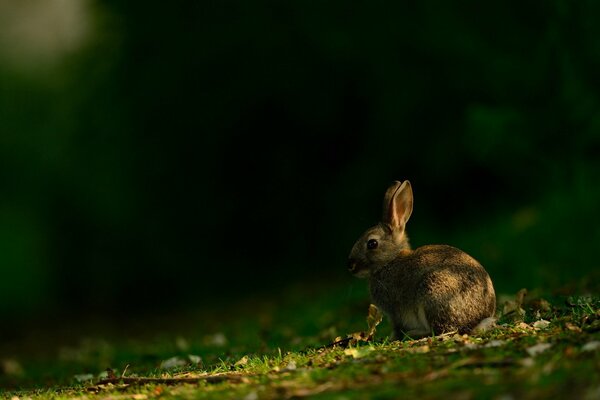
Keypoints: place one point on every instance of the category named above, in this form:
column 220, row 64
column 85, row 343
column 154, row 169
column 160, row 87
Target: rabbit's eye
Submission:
column 372, row 244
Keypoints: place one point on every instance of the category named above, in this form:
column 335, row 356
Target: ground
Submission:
column 541, row 347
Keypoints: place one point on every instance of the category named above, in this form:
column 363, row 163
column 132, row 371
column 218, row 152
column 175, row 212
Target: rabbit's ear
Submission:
column 398, row 204
column 387, row 200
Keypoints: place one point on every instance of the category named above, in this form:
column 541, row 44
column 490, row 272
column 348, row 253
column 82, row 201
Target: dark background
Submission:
column 183, row 153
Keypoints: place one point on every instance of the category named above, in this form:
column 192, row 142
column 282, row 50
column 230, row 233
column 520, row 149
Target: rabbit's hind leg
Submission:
column 412, row 325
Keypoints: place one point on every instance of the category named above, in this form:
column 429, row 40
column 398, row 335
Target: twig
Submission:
column 343, row 342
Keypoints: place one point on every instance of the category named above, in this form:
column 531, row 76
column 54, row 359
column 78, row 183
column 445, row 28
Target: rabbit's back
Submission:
column 437, row 288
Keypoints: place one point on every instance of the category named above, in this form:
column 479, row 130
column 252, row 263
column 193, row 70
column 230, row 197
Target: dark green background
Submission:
column 197, row 151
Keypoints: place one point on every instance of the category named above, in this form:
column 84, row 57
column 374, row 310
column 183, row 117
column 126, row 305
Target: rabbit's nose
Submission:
column 351, row 265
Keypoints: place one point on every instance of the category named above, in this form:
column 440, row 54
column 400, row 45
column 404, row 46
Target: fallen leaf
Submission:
column 460, row 338
column 418, row 349
column 444, row 337
column 350, row 340
column 291, row 366
column 358, row 352
column 524, row 326
column 241, row 362
column 374, row 317
column 591, row 346
column 541, row 324
column 495, row 343
column 173, row 362
column 358, row 336
column 538, row 349
column 471, row 346
column 485, row 325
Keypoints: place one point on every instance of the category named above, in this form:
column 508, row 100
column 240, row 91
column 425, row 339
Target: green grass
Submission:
column 280, row 351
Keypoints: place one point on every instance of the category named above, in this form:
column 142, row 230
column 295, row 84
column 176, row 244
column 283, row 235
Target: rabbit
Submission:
column 432, row 290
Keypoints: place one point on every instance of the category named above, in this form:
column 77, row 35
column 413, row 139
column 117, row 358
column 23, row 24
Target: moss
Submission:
column 507, row 360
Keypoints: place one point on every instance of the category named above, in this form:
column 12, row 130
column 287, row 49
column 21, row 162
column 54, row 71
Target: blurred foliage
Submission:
column 187, row 152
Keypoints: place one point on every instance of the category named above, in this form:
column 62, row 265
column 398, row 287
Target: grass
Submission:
column 550, row 351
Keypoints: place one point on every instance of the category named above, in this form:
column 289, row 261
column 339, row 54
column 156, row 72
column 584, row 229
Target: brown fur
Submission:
column 433, row 289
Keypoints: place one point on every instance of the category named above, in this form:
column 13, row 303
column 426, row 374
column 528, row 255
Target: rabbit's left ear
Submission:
column 400, row 206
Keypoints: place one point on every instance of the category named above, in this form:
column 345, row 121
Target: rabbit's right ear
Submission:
column 397, row 205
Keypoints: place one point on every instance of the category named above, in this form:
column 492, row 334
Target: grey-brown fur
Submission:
column 430, row 290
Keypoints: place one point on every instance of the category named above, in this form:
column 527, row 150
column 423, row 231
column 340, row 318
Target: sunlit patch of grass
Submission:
column 553, row 351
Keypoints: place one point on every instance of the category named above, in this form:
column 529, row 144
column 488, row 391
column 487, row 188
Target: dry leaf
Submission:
column 524, row 326
column 291, row 366
column 538, row 349
column 485, row 325
column 471, row 346
column 418, row 349
column 241, row 362
column 591, row 346
column 459, row 338
column 173, row 362
column 358, row 352
column 374, row 317
column 495, row 343
column 541, row 324
column 572, row 327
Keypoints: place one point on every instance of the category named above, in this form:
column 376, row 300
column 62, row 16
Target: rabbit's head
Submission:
column 383, row 242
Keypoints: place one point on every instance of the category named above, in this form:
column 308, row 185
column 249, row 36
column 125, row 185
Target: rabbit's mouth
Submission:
column 356, row 270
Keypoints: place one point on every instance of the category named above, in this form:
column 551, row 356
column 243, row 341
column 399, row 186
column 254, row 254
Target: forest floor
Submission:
column 540, row 348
